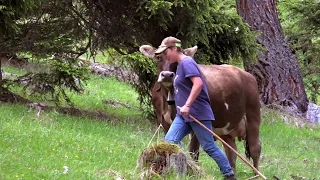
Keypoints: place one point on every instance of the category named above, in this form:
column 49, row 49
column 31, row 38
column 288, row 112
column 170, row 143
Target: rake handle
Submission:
column 226, row 144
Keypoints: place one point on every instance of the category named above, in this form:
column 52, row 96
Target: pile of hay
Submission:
column 164, row 159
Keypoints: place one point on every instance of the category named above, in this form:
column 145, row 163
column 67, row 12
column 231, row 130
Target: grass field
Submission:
column 46, row 147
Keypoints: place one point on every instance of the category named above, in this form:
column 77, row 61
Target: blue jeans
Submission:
column 179, row 129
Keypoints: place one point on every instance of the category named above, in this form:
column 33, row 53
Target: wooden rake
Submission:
column 226, row 144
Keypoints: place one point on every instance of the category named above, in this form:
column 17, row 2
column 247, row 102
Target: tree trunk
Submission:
column 277, row 70
column 0, row 70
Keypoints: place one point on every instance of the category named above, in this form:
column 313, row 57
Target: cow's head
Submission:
column 165, row 69
column 162, row 63
column 163, row 89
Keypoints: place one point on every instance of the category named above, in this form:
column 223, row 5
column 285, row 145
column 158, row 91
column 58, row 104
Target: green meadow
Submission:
column 58, row 146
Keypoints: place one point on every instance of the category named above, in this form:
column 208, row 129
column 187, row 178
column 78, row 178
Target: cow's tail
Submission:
column 246, row 142
column 247, row 148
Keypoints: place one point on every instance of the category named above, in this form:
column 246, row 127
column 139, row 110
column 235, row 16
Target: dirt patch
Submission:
column 72, row 111
column 113, row 71
column 8, row 97
column 14, row 62
column 84, row 113
column 116, row 104
column 106, row 70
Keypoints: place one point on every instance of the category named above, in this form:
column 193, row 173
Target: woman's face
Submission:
column 171, row 54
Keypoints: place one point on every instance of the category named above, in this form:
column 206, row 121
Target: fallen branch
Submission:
column 71, row 111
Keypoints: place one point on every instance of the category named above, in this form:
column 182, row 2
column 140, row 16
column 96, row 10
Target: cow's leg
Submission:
column 253, row 145
column 164, row 124
column 232, row 157
column 194, row 147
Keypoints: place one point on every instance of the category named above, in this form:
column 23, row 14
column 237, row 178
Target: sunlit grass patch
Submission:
column 41, row 147
column 57, row 146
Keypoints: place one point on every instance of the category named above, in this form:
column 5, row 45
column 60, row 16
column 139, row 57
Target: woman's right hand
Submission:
column 184, row 110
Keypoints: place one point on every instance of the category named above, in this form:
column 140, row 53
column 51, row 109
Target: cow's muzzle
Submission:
column 166, row 78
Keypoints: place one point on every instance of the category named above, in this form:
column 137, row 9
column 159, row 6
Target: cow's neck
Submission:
column 170, row 105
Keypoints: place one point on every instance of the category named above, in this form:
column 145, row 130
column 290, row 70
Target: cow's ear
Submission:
column 147, row 50
column 191, row 51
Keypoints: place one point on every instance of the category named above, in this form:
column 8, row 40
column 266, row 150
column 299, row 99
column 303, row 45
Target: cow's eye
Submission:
column 159, row 58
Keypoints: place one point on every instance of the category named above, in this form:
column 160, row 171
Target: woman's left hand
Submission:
column 185, row 110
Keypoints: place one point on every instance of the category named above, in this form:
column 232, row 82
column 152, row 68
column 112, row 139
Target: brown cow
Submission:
column 164, row 106
column 234, row 100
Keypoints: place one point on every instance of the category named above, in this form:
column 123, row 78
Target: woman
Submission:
column 192, row 96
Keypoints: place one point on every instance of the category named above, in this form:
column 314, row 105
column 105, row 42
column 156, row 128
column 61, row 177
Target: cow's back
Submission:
column 229, row 89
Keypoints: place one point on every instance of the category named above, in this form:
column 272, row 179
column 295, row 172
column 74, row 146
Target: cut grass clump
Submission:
column 165, row 160
column 156, row 157
column 149, row 155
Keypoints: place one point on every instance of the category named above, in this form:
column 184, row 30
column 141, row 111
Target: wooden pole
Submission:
column 254, row 177
column 226, row 144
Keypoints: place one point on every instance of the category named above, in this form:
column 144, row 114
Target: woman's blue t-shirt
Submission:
column 200, row 108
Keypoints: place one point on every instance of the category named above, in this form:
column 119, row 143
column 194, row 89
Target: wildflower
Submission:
column 66, row 169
